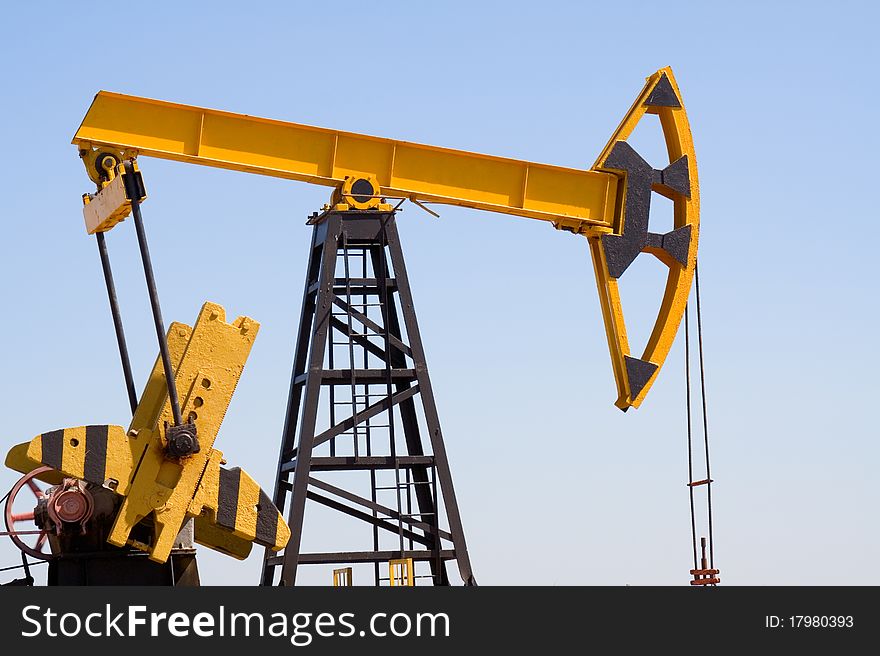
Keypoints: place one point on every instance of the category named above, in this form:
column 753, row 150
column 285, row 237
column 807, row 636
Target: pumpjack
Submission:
column 125, row 505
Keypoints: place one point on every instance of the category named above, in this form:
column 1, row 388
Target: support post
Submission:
column 374, row 430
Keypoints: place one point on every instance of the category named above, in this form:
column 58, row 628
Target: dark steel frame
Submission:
column 329, row 310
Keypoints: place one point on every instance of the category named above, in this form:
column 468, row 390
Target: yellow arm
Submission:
column 231, row 511
column 609, row 203
column 141, row 126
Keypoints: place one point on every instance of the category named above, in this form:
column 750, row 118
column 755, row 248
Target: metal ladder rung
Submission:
column 348, row 342
column 401, row 486
column 360, row 402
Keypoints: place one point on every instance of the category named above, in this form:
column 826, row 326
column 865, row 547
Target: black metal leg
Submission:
column 409, row 420
column 157, row 311
column 294, row 398
column 117, row 321
column 323, row 310
column 431, row 415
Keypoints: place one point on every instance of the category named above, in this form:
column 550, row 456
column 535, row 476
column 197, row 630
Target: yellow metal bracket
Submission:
column 342, row 577
column 401, row 572
column 112, row 203
column 359, row 193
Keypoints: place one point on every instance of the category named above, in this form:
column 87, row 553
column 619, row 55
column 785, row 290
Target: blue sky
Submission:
column 781, row 98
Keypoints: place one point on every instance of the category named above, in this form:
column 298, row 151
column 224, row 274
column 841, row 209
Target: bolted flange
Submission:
column 182, row 441
column 69, row 503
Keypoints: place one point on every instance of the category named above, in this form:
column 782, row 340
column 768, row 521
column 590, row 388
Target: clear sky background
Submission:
column 555, row 485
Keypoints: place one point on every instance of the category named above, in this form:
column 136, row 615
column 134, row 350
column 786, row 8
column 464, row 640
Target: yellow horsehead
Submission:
column 613, row 251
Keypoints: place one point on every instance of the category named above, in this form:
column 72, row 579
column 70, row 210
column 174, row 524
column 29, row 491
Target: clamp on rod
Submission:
column 134, row 195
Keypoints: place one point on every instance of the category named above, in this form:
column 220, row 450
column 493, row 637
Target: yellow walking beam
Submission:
column 610, row 203
column 575, row 199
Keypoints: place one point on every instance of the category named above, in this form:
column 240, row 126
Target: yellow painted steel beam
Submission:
column 609, row 204
column 574, row 199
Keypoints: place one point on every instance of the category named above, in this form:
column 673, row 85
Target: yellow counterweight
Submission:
column 231, row 512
